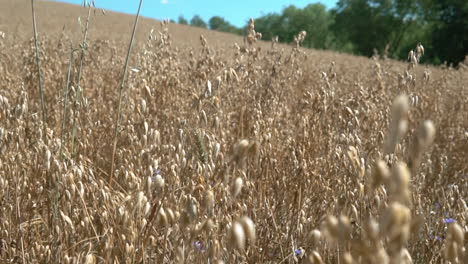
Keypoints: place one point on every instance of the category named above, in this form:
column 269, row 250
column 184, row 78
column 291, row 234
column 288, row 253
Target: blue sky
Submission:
column 237, row 12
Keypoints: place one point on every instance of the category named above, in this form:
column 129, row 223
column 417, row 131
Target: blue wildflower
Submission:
column 297, row 252
column 432, row 237
column 156, row 171
column 198, row 245
column 449, row 220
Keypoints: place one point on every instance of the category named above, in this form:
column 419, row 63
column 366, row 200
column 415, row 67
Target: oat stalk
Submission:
column 122, row 86
column 65, row 100
column 38, row 62
column 84, row 47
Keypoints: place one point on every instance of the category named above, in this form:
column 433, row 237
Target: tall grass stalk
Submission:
column 83, row 47
column 122, row 85
column 38, row 62
column 65, row 99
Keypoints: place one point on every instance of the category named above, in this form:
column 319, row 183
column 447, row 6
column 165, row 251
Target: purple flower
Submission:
column 449, row 220
column 199, row 246
column 156, row 172
column 432, row 237
column 297, row 252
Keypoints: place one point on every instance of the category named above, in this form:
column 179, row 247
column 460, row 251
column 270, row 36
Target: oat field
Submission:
column 219, row 149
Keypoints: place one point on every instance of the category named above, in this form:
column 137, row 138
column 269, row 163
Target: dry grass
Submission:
column 242, row 153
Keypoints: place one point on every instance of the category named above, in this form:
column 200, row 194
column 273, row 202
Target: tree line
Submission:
column 390, row 28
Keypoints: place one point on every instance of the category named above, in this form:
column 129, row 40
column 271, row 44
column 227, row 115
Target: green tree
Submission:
column 449, row 34
column 182, row 20
column 270, row 26
column 370, row 24
column 220, row 24
column 314, row 19
column 197, row 21
column 217, row 22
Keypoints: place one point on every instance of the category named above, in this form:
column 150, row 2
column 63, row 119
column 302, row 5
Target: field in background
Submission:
column 310, row 146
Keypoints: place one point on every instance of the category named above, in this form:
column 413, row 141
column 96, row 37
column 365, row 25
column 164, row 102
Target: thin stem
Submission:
column 119, row 114
column 84, row 46
column 65, row 99
column 38, row 62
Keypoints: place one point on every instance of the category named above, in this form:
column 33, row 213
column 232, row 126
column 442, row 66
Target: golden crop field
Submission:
column 219, row 149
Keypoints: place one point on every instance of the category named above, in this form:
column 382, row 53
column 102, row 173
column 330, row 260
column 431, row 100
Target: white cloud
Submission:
column 164, row 2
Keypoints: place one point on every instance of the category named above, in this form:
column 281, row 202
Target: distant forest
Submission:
column 389, row 28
